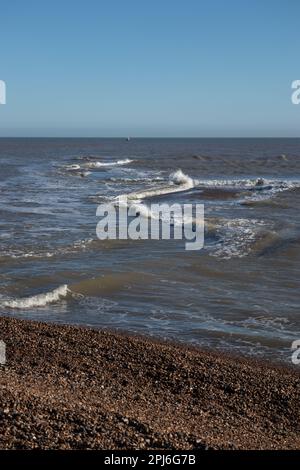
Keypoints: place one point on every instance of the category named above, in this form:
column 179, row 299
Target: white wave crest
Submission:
column 126, row 161
column 178, row 177
column 259, row 184
column 39, row 300
column 73, row 167
column 179, row 181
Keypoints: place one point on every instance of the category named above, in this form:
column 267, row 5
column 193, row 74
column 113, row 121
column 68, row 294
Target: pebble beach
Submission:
column 69, row 387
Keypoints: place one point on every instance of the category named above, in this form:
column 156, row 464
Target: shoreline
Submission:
column 74, row 387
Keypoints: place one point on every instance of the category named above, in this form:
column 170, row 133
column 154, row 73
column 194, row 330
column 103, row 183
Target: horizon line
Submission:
column 146, row 137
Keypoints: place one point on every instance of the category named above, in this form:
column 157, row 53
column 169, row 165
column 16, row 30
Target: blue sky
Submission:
column 141, row 68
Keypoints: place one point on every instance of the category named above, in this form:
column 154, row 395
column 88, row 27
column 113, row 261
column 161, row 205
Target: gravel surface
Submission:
column 66, row 387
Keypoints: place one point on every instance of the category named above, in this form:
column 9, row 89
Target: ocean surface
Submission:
column 240, row 293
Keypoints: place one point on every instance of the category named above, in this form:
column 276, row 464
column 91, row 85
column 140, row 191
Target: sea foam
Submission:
column 126, row 161
column 179, row 181
column 40, row 300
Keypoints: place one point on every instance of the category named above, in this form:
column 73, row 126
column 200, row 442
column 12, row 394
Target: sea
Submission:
column 240, row 293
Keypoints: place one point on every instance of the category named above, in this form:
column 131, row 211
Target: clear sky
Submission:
column 149, row 68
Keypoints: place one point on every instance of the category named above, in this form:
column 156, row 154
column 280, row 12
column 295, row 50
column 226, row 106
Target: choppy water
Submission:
column 241, row 292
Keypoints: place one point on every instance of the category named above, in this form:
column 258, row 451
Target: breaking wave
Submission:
column 252, row 184
column 98, row 164
column 40, row 300
column 73, row 167
column 178, row 177
column 179, row 181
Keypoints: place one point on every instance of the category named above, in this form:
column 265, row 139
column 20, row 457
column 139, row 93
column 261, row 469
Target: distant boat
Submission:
column 128, row 139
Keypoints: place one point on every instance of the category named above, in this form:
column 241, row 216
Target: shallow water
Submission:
column 241, row 292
